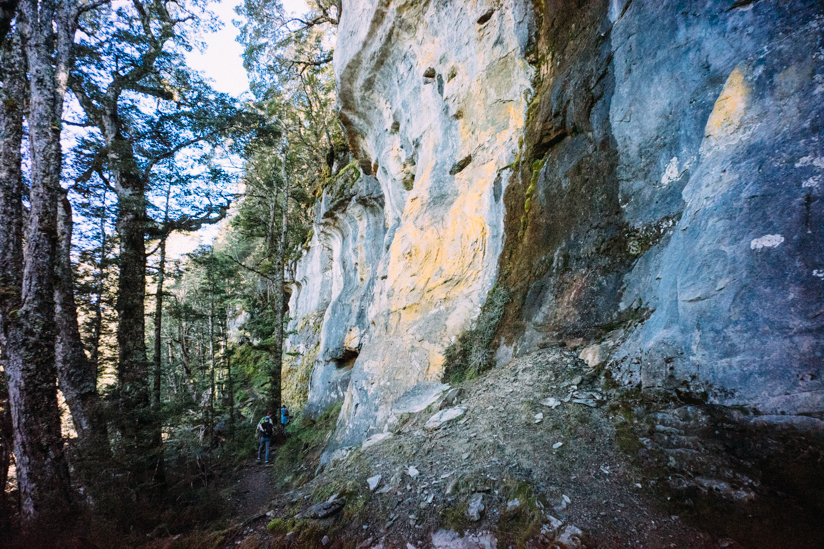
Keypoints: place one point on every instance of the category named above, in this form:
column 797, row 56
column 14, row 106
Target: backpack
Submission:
column 284, row 416
column 267, row 427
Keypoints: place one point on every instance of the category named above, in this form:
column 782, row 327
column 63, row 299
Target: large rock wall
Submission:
column 433, row 97
column 678, row 197
column 638, row 174
column 333, row 284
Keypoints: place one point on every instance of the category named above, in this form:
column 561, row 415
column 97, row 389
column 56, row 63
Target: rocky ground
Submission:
column 534, row 455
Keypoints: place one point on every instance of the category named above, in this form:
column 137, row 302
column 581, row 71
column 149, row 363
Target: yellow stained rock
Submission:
column 729, row 107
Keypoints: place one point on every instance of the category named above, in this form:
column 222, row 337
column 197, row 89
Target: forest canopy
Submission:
column 132, row 375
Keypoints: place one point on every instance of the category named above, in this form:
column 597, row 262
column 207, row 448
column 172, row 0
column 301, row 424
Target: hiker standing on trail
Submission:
column 265, row 430
column 284, row 418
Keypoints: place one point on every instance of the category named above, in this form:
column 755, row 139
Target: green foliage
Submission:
column 278, row 526
column 517, row 526
column 305, row 440
column 471, row 354
column 537, row 166
column 455, row 518
column 296, row 379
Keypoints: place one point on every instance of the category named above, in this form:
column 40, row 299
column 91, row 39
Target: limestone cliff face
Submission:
column 644, row 178
column 678, row 193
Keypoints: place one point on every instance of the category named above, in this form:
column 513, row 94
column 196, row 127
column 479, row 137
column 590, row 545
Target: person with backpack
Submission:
column 265, row 430
column 284, row 418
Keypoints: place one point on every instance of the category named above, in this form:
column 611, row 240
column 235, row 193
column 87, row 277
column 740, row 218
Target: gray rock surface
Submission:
column 419, row 397
column 443, row 417
column 323, row 510
column 666, row 179
column 373, row 482
column 677, row 192
column 449, row 539
column 475, row 506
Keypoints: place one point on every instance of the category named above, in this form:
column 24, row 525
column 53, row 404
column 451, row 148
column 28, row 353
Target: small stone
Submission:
column 566, row 499
column 637, row 485
column 551, row 402
column 557, row 445
column 323, row 510
column 538, row 417
column 374, row 482
column 452, row 397
column 513, row 504
column 412, row 471
column 475, row 507
column 466, row 455
column 571, row 537
column 375, row 439
column 577, row 381
column 554, row 523
column 324, row 541
column 270, row 514
column 452, row 484
column 410, row 546
column 443, row 417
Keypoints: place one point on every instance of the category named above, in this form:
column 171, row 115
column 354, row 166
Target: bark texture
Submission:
column 6, row 449
column 11, row 240
column 30, row 334
column 77, row 375
column 277, row 246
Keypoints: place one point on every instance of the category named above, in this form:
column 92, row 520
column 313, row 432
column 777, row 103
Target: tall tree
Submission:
column 150, row 113
column 29, row 332
column 11, row 230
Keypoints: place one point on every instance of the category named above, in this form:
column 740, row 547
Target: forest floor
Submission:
column 538, row 456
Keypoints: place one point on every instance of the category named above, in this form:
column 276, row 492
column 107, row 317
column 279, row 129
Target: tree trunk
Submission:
column 231, row 390
column 213, row 387
column 42, row 471
column 277, row 240
column 158, row 316
column 76, row 373
column 6, row 449
column 97, row 326
column 138, row 423
column 158, row 324
column 11, row 240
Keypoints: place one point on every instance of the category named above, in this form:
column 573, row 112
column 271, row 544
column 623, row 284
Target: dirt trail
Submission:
column 253, row 490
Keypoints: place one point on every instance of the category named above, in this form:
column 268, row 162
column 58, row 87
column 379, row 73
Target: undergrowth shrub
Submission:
column 305, row 440
column 471, row 354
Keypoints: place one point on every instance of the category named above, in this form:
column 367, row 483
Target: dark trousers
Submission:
column 264, row 441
